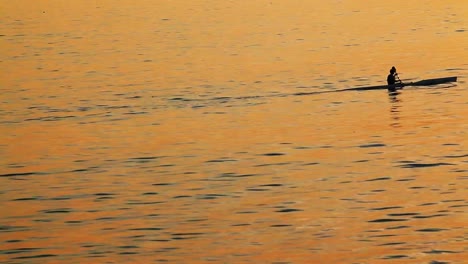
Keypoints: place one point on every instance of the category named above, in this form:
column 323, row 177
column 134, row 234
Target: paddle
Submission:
column 402, row 84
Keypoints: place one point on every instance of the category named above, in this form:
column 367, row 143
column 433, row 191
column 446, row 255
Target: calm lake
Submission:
column 203, row 131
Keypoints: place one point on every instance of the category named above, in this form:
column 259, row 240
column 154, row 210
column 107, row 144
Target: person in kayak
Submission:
column 392, row 77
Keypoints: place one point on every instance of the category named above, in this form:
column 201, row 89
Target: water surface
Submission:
column 198, row 132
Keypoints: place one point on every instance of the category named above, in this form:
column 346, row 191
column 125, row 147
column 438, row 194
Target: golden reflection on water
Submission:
column 204, row 40
column 168, row 131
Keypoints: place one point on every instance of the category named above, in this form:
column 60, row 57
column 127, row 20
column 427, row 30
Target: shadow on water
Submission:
column 395, row 108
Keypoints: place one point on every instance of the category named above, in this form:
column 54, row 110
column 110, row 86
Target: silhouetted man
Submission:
column 391, row 78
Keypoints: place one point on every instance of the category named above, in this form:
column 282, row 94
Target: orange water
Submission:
column 172, row 131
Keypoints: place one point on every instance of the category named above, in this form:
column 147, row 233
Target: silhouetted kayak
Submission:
column 401, row 85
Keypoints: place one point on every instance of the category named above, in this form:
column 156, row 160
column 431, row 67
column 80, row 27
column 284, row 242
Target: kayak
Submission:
column 401, row 85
